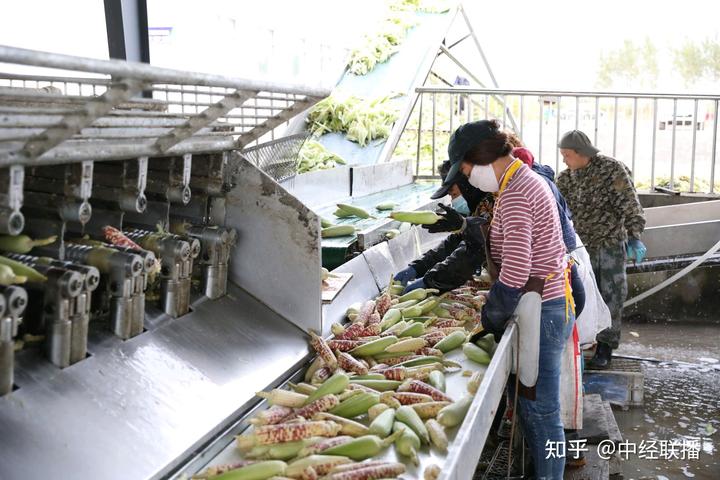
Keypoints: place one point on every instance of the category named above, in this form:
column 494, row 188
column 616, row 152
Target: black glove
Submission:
column 501, row 303
column 451, row 221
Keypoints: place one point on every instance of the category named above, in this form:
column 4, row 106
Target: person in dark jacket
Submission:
column 461, row 254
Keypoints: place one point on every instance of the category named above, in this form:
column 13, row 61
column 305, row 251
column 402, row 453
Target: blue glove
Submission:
column 636, row 250
column 403, row 276
column 419, row 283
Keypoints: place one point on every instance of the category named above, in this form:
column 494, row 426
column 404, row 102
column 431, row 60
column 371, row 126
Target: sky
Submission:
column 553, row 44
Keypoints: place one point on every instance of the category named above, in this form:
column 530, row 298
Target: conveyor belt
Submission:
column 135, row 407
column 399, row 74
column 408, row 197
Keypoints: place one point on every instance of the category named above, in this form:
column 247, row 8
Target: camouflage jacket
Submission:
column 603, row 201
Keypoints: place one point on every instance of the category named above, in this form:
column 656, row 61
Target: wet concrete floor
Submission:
column 681, row 402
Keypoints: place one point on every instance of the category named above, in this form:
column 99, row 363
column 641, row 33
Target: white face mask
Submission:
column 483, row 177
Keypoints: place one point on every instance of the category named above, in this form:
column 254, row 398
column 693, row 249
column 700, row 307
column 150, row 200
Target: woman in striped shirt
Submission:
column 526, row 246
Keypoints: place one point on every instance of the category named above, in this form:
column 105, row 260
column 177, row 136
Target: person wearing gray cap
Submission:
column 609, row 219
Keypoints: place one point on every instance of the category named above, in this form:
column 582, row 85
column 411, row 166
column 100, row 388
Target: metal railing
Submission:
column 667, row 140
column 125, row 110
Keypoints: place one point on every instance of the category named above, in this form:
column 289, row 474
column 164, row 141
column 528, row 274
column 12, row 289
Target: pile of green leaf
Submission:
column 361, row 120
column 379, row 48
column 314, row 156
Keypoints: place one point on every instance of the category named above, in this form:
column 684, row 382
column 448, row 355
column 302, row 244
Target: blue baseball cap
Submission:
column 464, row 138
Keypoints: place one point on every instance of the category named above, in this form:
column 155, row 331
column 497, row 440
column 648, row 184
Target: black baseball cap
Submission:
column 464, row 138
column 447, row 181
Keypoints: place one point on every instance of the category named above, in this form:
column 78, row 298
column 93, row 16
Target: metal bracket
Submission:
column 273, row 122
column 11, row 199
column 121, row 90
column 203, row 119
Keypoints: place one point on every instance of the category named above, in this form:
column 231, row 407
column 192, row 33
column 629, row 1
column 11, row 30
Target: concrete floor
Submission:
column 682, row 398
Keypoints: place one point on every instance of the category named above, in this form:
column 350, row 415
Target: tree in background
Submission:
column 689, row 60
column 630, row 63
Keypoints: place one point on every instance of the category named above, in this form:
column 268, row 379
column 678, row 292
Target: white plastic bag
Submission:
column 528, row 314
column 595, row 316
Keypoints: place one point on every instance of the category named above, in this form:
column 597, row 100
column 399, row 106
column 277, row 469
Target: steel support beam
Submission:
column 127, row 30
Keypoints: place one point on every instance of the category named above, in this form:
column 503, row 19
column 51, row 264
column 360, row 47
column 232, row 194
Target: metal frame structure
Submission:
column 105, row 118
column 482, row 97
column 127, row 30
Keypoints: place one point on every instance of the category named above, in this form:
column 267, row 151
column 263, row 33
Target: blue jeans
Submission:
column 540, row 418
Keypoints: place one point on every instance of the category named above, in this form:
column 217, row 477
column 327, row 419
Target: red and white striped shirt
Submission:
column 525, row 236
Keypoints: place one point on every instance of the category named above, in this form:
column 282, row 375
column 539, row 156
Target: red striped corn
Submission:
column 387, row 470
column 270, row 434
column 433, row 338
column 322, row 404
column 116, row 237
column 374, row 318
column 271, row 416
column 383, row 303
column 320, row 375
column 344, row 345
column 354, row 466
column 356, row 330
column 429, row 352
column 322, row 349
column 446, row 322
column 417, row 386
column 324, row 444
column 395, row 373
column 348, row 363
column 378, row 367
column 220, row 469
column 309, row 474
column 367, row 309
column 411, row 398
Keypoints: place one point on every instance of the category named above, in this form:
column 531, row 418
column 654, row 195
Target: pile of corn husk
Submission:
column 380, row 47
column 314, row 156
column 361, row 120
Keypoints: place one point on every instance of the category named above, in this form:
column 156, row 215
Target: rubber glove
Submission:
column 636, row 250
column 419, row 283
column 403, row 276
column 451, row 221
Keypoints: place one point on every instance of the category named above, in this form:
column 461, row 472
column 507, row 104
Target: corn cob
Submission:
column 460, row 312
column 432, row 472
column 354, row 308
column 415, row 330
column 437, row 380
column 376, row 410
column 220, row 469
column 270, row 434
column 418, row 217
column 395, row 373
column 357, row 330
column 451, row 330
column 474, row 383
column 17, row 272
column 357, row 405
column 451, row 342
column 390, row 318
column 320, row 375
column 389, row 362
column 283, row 451
column 421, row 387
column 382, row 424
column 378, row 367
column 332, row 386
column 347, row 394
column 383, row 303
column 390, row 401
column 273, row 415
column 420, row 361
column 349, row 427
column 322, row 404
column 409, row 417
column 408, row 398
column 409, row 312
column 322, row 349
column 417, row 294
column 379, row 385
column 386, row 470
column 309, row 473
column 323, row 445
column 337, row 329
column 256, row 471
column 476, row 354
column 408, row 443
column 348, row 363
column 357, row 465
column 487, row 343
column 363, row 447
column 437, row 434
column 447, row 322
column 337, row 231
column 433, row 338
column 284, row 398
column 362, row 388
column 406, row 345
column 374, row 347
column 344, row 345
column 23, row 243
column 321, row 464
column 374, row 318
column 369, row 376
column 314, row 366
column 353, row 210
column 404, row 305
column 304, row 388
column 429, row 409
column 366, row 310
column 395, row 329
column 454, row 414
column 429, row 352
column 429, row 304
column 423, row 372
